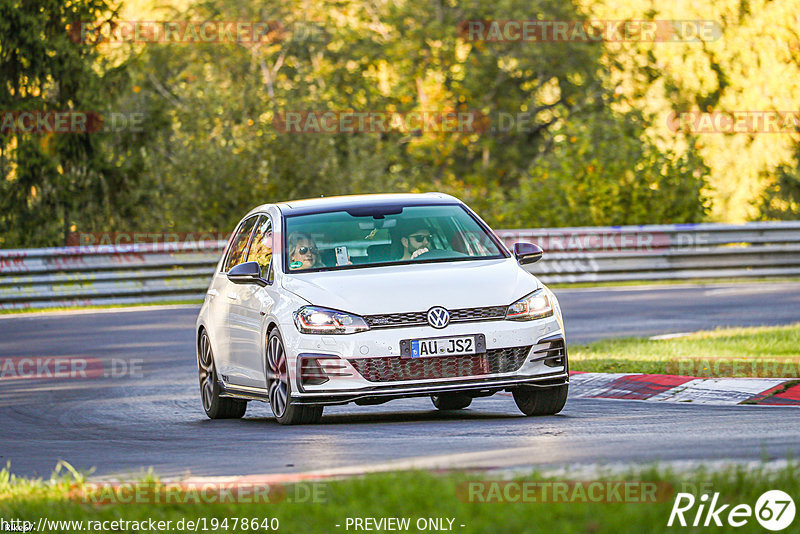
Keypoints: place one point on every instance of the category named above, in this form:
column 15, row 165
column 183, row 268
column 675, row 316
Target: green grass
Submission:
column 758, row 351
column 102, row 307
column 418, row 495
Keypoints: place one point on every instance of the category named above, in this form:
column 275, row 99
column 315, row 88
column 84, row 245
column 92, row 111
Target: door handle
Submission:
column 233, row 296
column 212, row 293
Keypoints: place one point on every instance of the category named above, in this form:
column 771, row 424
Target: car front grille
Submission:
column 463, row 315
column 395, row 368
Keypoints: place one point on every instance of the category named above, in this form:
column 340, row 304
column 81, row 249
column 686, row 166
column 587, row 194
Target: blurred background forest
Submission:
column 597, row 149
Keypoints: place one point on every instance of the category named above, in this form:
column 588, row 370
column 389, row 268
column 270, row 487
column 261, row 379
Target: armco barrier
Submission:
column 106, row 274
column 664, row 252
column 116, row 274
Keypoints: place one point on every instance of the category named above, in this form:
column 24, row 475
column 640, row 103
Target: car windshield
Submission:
column 367, row 236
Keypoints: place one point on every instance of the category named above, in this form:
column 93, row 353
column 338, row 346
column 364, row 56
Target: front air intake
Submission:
column 551, row 350
column 398, row 369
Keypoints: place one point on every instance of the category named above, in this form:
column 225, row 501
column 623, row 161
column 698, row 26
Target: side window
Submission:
column 239, row 244
column 261, row 248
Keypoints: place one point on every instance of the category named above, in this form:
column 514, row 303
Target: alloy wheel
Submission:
column 277, row 376
column 206, row 369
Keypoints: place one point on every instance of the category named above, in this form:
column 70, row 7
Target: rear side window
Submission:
column 239, row 244
column 261, row 247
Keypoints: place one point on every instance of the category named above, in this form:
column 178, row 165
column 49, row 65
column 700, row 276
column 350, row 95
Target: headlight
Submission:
column 316, row 320
column 534, row 306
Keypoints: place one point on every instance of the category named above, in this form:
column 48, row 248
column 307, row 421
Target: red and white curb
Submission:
column 689, row 389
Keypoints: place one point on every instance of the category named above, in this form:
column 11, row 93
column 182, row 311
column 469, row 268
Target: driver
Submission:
column 416, row 239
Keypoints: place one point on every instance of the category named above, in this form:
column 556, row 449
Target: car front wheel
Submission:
column 541, row 401
column 279, row 387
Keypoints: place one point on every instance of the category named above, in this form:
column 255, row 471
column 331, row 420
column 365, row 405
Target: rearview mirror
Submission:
column 248, row 272
column 527, row 253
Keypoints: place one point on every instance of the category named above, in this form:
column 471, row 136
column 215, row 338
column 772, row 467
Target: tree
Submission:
column 781, row 197
column 604, row 171
column 73, row 178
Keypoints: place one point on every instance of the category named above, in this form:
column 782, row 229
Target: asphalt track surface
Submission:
column 126, row 424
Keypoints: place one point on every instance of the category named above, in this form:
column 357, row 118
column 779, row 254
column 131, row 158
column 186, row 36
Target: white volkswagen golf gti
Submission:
column 371, row 298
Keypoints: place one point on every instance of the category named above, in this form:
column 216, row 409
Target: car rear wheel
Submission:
column 279, row 387
column 216, row 407
column 451, row 401
column 541, row 401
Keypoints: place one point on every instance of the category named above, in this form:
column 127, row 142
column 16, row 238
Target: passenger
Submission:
column 303, row 252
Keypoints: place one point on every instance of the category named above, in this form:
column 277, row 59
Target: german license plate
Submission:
column 443, row 346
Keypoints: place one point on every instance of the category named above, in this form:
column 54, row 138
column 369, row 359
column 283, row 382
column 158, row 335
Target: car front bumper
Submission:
column 475, row 387
column 348, row 355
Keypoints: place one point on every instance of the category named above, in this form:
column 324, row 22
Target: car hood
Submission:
column 412, row 288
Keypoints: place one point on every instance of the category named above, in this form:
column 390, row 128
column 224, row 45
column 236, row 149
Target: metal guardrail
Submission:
column 664, row 252
column 140, row 273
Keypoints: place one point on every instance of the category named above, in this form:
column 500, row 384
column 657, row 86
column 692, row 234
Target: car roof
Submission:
column 340, row 203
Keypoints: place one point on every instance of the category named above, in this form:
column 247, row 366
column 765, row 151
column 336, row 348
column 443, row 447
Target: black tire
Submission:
column 216, row 407
column 451, row 401
column 279, row 387
column 541, row 401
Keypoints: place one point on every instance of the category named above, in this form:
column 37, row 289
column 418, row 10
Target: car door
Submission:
column 226, row 294
column 248, row 310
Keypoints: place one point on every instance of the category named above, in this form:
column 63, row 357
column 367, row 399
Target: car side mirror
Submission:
column 248, row 272
column 527, row 253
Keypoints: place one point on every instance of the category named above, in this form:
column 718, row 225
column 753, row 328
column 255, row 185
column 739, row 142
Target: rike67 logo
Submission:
column 774, row 510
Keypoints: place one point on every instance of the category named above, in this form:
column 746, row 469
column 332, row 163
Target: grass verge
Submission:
column 459, row 496
column 735, row 352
